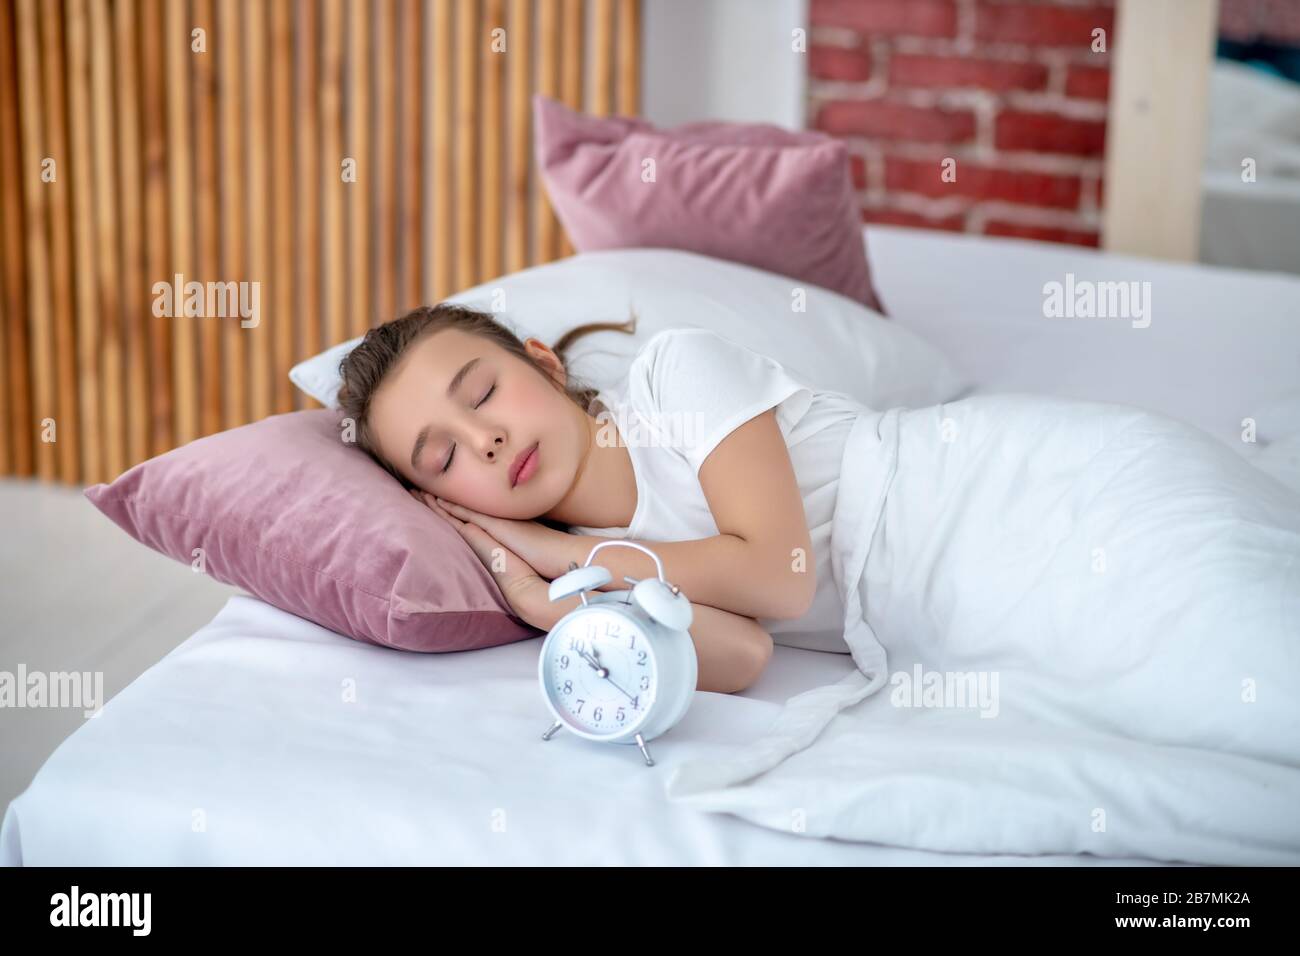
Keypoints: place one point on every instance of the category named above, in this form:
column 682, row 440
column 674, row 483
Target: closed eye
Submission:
column 453, row 447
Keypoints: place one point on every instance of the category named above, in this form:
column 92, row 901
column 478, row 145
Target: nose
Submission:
column 492, row 447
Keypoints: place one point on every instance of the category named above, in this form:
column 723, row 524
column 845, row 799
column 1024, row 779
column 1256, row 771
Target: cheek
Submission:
column 530, row 410
column 534, row 388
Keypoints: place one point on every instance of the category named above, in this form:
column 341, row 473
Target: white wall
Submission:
column 723, row 60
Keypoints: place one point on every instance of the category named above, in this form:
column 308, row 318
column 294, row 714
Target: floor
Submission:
column 142, row 606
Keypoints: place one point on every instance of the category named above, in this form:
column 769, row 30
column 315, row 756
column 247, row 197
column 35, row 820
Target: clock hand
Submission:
column 601, row 670
column 595, row 664
column 604, row 672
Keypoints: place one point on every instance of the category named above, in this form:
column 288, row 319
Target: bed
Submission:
column 266, row 739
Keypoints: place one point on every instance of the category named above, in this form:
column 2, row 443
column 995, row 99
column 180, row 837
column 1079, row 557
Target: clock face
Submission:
column 600, row 672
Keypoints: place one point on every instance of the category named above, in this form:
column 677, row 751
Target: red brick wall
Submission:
column 1011, row 90
column 1246, row 21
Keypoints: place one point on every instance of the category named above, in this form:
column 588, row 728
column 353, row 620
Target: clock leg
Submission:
column 640, row 742
column 550, row 732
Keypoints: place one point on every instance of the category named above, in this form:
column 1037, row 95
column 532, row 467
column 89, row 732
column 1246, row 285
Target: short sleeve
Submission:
column 691, row 388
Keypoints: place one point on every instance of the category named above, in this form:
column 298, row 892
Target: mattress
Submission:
column 266, row 739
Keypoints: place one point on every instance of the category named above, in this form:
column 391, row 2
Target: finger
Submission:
column 442, row 513
column 459, row 511
column 455, row 522
column 486, row 522
column 429, row 501
column 481, row 543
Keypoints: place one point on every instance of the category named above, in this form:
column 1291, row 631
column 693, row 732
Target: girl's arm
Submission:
column 732, row 650
column 724, row 572
column 760, row 564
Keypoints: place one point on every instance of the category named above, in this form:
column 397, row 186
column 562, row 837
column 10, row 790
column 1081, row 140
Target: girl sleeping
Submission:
column 533, row 469
column 1088, row 548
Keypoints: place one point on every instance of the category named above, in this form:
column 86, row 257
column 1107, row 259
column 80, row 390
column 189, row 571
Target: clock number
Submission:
column 580, row 703
column 645, row 681
column 631, row 639
column 621, row 716
column 640, row 658
column 564, row 662
column 595, row 715
column 568, row 687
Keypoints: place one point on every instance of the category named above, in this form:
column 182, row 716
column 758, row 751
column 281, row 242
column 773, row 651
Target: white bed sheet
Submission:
column 239, row 748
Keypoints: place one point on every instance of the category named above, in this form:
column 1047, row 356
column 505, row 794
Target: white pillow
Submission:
column 835, row 343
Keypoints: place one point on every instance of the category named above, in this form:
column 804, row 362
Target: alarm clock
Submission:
column 621, row 668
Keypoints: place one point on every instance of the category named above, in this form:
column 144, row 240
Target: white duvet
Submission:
column 1077, row 630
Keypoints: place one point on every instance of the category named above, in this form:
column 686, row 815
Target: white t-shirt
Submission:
column 686, row 390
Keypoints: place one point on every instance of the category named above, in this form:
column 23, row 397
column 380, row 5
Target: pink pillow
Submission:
column 752, row 193
column 284, row 509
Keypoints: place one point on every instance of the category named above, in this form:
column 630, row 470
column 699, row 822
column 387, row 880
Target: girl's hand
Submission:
column 526, row 591
column 546, row 549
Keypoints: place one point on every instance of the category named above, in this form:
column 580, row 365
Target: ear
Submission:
column 546, row 357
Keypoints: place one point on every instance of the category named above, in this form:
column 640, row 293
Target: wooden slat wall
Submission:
column 207, row 219
column 177, row 69
column 18, row 436
column 60, row 220
column 31, row 114
column 146, row 138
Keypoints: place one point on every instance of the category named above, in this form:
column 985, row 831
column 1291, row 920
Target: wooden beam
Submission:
column 1155, row 133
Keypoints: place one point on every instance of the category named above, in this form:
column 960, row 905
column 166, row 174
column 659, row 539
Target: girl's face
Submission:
column 457, row 411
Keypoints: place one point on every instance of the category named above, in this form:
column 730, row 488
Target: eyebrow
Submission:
column 456, row 381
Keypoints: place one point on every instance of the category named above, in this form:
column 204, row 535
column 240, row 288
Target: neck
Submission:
column 603, row 493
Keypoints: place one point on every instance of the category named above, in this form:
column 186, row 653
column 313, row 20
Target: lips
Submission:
column 517, row 465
